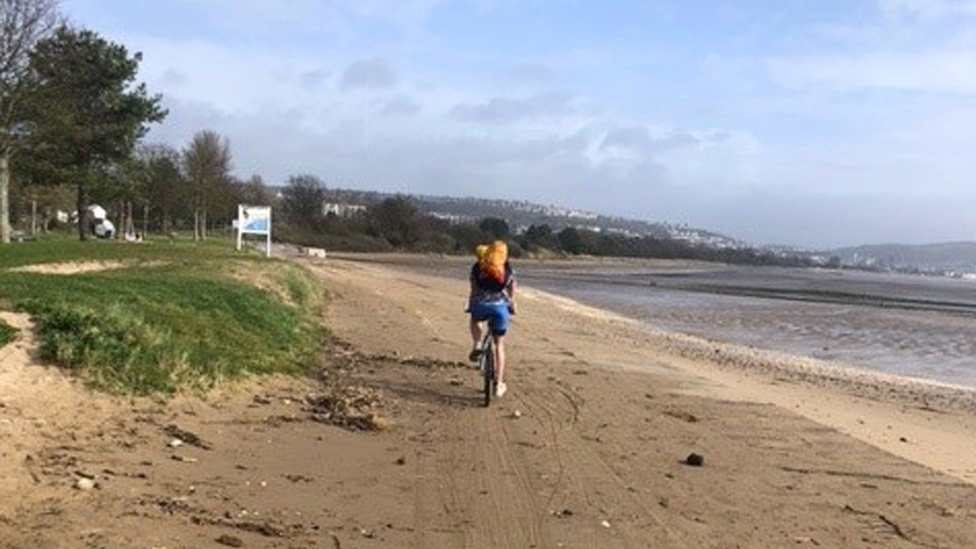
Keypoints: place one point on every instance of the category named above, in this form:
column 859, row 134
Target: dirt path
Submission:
column 592, row 459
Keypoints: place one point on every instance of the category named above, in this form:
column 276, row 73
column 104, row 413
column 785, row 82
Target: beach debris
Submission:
column 314, row 252
column 85, row 484
column 561, row 513
column 185, row 437
column 517, row 414
column 230, row 541
column 368, row 534
column 175, row 443
column 605, row 523
column 695, row 460
column 682, row 415
column 184, row 459
column 350, row 407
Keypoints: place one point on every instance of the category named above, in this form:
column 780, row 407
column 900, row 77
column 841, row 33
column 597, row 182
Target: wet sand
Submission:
column 797, row 453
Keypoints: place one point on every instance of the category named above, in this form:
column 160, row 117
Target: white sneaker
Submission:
column 500, row 389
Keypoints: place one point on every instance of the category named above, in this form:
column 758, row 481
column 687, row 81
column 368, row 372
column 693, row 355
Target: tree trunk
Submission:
column 203, row 225
column 145, row 220
column 120, row 221
column 5, row 198
column 82, row 212
column 33, row 218
column 196, row 224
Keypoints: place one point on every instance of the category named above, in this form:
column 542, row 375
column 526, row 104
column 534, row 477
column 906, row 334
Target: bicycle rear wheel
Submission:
column 488, row 368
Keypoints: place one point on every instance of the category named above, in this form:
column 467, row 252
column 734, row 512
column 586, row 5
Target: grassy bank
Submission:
column 175, row 315
column 7, row 333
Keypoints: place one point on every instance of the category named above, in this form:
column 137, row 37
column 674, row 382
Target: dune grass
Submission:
column 7, row 333
column 174, row 318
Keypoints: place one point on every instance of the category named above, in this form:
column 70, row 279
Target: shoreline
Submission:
column 861, row 381
column 589, row 447
column 864, row 404
column 894, row 413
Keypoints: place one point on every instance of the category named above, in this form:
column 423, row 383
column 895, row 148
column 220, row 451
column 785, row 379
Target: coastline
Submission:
column 928, row 422
column 859, row 381
column 589, row 448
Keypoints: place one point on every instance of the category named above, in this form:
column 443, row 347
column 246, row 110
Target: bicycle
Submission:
column 486, row 363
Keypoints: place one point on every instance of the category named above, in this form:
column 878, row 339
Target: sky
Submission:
column 816, row 123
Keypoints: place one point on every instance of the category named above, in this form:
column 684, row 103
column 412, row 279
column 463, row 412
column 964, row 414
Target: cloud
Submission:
column 927, row 10
column 173, row 78
column 504, row 110
column 336, row 17
column 314, row 78
column 639, row 138
column 940, row 71
column 528, row 73
column 369, row 74
column 399, row 105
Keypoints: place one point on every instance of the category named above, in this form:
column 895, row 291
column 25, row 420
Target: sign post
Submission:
column 254, row 220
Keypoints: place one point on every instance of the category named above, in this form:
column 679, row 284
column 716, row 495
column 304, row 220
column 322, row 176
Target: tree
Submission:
column 398, row 221
column 495, row 226
column 165, row 189
column 570, row 240
column 86, row 113
column 540, row 236
column 255, row 192
column 22, row 23
column 208, row 164
column 303, row 200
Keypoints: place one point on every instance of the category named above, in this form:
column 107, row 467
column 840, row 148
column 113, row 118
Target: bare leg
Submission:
column 475, row 333
column 500, row 358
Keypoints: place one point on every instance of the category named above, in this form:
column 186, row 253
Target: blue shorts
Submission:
column 496, row 314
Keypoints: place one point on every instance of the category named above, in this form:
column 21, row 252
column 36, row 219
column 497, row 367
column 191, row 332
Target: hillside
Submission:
column 521, row 214
column 945, row 256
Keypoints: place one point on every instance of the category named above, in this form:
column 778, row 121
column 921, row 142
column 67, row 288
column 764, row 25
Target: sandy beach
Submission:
column 586, row 450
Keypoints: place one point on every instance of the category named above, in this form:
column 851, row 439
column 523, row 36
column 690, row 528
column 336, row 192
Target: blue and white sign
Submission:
column 254, row 220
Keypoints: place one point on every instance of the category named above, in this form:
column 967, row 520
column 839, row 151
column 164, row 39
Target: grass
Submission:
column 7, row 333
column 175, row 319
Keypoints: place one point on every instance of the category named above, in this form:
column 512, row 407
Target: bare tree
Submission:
column 165, row 189
column 22, row 24
column 208, row 165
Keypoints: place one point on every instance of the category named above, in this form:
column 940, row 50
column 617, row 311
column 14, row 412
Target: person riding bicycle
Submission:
column 492, row 300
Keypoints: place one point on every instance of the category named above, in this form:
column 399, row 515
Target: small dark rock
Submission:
column 230, row 541
column 695, row 460
column 401, row 461
column 902, row 439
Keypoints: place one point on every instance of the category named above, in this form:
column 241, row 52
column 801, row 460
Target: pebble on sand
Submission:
column 85, row 484
column 695, row 460
column 230, row 541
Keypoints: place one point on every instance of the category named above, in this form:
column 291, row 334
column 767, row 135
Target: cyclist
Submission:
column 492, row 300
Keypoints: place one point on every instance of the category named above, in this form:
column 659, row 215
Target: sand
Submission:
column 607, row 412
column 70, row 267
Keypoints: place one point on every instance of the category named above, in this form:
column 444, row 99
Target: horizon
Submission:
column 849, row 125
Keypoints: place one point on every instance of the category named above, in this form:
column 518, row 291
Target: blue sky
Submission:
column 810, row 122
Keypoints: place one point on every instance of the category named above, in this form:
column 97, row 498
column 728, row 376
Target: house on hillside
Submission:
column 342, row 210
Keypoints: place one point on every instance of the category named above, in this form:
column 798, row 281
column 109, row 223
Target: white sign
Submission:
column 254, row 220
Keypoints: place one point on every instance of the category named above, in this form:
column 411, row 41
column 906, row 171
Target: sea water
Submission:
column 908, row 325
